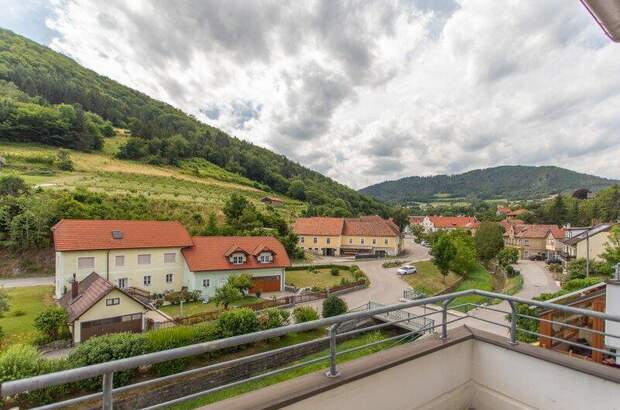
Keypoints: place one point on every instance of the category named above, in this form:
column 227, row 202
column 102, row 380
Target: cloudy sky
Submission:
column 363, row 91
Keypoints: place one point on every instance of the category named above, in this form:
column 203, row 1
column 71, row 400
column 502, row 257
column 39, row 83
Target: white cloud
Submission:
column 366, row 91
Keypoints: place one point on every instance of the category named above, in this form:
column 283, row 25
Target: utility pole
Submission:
column 587, row 253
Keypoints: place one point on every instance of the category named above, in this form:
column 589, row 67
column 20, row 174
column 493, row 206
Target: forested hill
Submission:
column 48, row 98
column 511, row 182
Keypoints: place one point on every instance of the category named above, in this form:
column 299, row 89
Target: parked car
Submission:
column 537, row 257
column 406, row 270
column 425, row 243
column 553, row 261
column 303, row 290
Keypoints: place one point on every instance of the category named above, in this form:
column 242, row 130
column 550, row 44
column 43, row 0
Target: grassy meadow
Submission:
column 26, row 304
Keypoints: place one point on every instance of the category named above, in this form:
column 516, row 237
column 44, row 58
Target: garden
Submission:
column 322, row 277
column 429, row 280
column 19, row 307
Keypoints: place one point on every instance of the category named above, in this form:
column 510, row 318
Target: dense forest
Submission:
column 509, row 182
column 48, row 98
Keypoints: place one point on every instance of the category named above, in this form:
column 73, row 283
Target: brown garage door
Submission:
column 118, row 324
column 266, row 284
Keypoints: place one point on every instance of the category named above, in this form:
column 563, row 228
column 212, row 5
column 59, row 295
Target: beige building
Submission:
column 529, row 239
column 348, row 236
column 588, row 244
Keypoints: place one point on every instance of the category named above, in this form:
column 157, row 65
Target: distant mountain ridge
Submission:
column 510, row 182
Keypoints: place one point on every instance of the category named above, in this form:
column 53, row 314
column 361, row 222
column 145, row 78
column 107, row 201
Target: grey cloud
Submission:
column 385, row 166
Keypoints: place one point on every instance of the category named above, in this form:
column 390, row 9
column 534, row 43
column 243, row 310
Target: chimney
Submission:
column 74, row 287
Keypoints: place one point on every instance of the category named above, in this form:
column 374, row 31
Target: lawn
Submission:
column 428, row 279
column 320, row 278
column 30, row 300
column 198, row 307
column 270, row 380
column 479, row 278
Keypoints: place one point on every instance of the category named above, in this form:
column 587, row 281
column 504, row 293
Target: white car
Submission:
column 406, row 270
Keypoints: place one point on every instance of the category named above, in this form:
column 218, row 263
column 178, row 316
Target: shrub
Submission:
column 335, row 271
column 344, row 281
column 107, row 348
column 511, row 272
column 237, row 322
column 53, row 323
column 63, row 160
column 391, row 264
column 305, row 314
column 272, row 318
column 18, row 313
column 508, row 256
column 576, row 284
column 170, row 338
column 5, row 304
column 334, row 306
column 206, row 331
column 258, row 293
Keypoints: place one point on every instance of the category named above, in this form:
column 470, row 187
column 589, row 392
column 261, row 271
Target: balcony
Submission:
column 452, row 364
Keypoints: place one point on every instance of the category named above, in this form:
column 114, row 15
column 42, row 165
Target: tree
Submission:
column 12, row 185
column 417, row 231
column 5, row 304
column 443, row 252
column 400, row 216
column 334, row 306
column 558, row 213
column 52, row 322
column 508, row 256
column 234, row 208
column 489, row 240
column 63, row 160
column 465, row 258
column 226, row 295
column 242, row 282
column 211, row 229
column 297, row 189
column 612, row 247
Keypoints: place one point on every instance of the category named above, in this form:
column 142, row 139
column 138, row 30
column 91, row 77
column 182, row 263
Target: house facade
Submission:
column 588, row 243
column 154, row 256
column 529, row 239
column 348, row 236
column 442, row 223
column 554, row 244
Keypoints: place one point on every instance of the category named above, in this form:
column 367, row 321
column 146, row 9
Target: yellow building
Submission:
column 348, row 236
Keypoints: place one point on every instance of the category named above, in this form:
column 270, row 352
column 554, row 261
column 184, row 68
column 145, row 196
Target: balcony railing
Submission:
column 108, row 369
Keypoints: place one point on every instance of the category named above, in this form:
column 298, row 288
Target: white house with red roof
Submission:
column 437, row 223
column 160, row 256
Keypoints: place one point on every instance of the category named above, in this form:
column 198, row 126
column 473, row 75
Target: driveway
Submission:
column 23, row 282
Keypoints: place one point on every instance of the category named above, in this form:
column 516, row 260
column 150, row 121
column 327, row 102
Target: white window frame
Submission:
column 206, row 283
column 112, row 301
column 122, row 258
column 237, row 259
column 265, row 257
column 147, row 282
column 170, row 254
column 123, row 282
column 144, row 255
column 171, row 276
column 82, row 258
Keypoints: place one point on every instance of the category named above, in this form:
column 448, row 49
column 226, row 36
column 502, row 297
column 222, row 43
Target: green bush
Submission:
column 206, row 332
column 512, row 272
column 334, row 306
column 52, row 322
column 335, row 271
column 508, row 256
column 21, row 361
column 576, row 284
column 237, row 322
column 170, row 338
column 18, row 313
column 106, row 348
column 305, row 314
column 272, row 318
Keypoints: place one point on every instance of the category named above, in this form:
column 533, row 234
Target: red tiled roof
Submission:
column 86, row 234
column 463, row 222
column 558, row 233
column 533, row 230
column 318, row 225
column 90, row 291
column 369, row 226
column 208, row 252
column 415, row 220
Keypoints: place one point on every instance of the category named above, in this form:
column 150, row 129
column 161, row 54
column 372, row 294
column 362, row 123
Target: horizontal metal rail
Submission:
column 108, row 368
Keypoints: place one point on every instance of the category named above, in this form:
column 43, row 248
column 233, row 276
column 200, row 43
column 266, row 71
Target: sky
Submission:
column 363, row 91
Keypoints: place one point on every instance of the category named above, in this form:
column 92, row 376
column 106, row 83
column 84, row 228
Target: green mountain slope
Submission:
column 510, row 182
column 65, row 104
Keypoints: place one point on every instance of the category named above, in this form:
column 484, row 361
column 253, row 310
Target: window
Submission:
column 147, row 280
column 169, row 277
column 206, row 283
column 264, row 257
column 374, row 241
column 238, row 259
column 122, row 282
column 119, row 260
column 86, row 262
column 113, row 301
column 362, row 241
column 170, row 257
column 385, row 241
column 315, row 240
column 144, row 259
column 301, row 239
column 350, row 241
column 329, row 240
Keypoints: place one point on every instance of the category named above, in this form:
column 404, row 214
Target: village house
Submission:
column 554, row 242
column 349, row 236
column 442, row 223
column 529, row 239
column 270, row 200
column 588, row 243
column 159, row 257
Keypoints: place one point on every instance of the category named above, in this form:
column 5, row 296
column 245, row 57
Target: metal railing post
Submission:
column 333, row 331
column 444, row 319
column 108, row 379
column 513, row 323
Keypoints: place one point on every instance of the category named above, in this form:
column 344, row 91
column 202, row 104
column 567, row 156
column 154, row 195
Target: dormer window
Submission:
column 237, row 258
column 265, row 257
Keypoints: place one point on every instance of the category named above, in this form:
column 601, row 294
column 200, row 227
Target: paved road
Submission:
column 28, row 281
